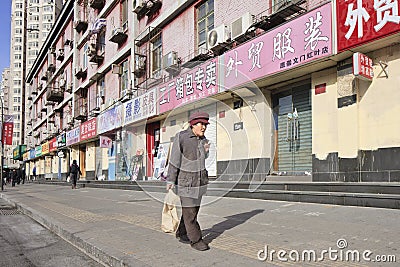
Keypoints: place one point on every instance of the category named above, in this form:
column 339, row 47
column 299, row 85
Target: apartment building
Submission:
column 31, row 21
column 116, row 80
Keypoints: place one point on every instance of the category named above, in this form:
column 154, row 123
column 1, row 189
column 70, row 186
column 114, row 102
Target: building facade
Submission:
column 31, row 21
column 116, row 80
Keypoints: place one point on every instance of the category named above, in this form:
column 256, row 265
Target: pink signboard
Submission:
column 293, row 44
column 362, row 21
column 198, row 83
column 88, row 129
column 73, row 136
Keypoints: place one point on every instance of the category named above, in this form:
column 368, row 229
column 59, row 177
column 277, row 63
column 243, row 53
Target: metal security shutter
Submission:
column 303, row 145
column 295, row 131
column 211, row 134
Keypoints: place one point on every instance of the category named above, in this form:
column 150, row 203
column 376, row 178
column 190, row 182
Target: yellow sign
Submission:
column 45, row 148
column 25, row 157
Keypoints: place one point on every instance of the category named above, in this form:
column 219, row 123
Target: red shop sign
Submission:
column 362, row 21
column 362, row 67
column 88, row 129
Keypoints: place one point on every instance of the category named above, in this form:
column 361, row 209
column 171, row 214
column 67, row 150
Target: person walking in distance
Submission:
column 34, row 172
column 73, row 171
column 188, row 173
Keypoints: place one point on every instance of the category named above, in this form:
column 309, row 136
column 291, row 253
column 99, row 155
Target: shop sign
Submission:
column 105, row 142
column 61, row 154
column 18, row 152
column 7, row 130
column 110, row 120
column 72, row 136
column 88, row 129
column 362, row 67
column 362, row 21
column 25, row 157
column 302, row 40
column 61, row 140
column 141, row 107
column 53, row 144
column 45, row 148
column 198, row 83
column 32, row 153
column 38, row 151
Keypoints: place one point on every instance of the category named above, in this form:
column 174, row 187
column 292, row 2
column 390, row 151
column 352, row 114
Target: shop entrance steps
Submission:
column 382, row 195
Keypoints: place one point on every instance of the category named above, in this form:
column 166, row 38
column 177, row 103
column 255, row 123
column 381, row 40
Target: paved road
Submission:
column 24, row 242
column 126, row 225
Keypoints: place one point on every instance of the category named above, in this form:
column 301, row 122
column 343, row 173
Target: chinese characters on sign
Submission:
column 88, row 129
column 73, row 136
column 198, row 83
column 362, row 67
column 53, row 144
column 141, row 107
column 110, row 120
column 8, row 129
column 299, row 41
column 361, row 21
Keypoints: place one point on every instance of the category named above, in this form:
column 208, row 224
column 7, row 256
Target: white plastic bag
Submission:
column 169, row 217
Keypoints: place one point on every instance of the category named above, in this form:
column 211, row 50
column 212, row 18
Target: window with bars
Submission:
column 205, row 22
column 156, row 53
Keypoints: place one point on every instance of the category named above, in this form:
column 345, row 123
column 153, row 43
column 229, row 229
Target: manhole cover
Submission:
column 9, row 211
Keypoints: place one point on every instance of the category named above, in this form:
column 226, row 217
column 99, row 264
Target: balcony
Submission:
column 55, row 95
column 81, row 25
column 97, row 4
column 118, row 36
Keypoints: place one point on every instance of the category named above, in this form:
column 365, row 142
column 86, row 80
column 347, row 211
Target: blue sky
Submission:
column 5, row 28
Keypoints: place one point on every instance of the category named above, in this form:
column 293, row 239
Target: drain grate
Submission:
column 9, row 211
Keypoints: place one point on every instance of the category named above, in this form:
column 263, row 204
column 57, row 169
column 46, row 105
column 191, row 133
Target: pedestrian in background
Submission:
column 34, row 172
column 73, row 173
column 13, row 177
column 188, row 173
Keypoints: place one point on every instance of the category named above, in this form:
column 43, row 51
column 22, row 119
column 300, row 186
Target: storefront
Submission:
column 109, row 128
column 140, row 136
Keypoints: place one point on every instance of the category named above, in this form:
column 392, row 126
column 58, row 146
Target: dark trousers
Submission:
column 188, row 224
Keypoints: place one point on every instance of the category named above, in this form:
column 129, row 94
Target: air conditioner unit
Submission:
column 116, row 69
column 61, row 83
column 91, row 50
column 282, row 4
column 241, row 25
column 170, row 62
column 99, row 102
column 101, row 91
column 217, row 36
column 126, row 94
column 139, row 5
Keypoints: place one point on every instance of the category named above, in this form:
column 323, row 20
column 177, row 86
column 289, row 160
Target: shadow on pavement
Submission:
column 231, row 221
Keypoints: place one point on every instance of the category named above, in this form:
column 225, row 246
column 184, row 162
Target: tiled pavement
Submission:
column 120, row 227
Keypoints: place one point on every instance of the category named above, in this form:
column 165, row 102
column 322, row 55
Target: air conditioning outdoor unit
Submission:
column 126, row 94
column 61, row 83
column 218, row 36
column 240, row 25
column 116, row 69
column 282, row 4
column 138, row 6
column 101, row 92
column 92, row 50
column 170, row 62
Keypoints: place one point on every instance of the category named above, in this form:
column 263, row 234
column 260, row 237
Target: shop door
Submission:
column 82, row 160
column 152, row 142
column 294, row 131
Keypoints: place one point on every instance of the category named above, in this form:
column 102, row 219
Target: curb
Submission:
column 89, row 249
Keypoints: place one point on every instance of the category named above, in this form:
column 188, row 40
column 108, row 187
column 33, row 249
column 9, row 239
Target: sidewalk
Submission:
column 122, row 228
